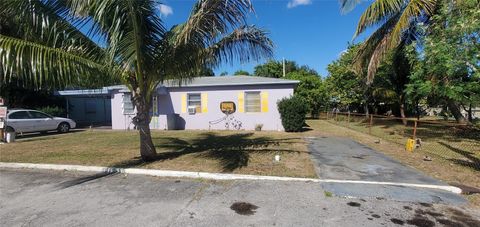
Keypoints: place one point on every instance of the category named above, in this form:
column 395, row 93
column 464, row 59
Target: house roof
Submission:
column 195, row 82
column 228, row 81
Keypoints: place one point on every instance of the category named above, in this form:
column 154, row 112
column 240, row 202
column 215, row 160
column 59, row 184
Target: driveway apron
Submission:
column 344, row 159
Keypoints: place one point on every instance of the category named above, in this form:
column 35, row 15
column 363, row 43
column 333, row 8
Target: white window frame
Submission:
column 199, row 100
column 245, row 102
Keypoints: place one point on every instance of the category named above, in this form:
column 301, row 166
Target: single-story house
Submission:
column 225, row 102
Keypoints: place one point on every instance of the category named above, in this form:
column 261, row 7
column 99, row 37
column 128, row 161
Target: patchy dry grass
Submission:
column 440, row 168
column 207, row 151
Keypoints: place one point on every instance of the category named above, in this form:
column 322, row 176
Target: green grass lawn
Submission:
column 208, row 151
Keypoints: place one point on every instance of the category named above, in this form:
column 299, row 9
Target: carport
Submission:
column 88, row 107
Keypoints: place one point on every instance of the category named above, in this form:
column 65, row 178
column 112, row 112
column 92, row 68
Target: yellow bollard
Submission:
column 410, row 145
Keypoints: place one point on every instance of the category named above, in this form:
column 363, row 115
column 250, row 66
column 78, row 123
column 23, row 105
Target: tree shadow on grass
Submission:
column 471, row 162
column 232, row 151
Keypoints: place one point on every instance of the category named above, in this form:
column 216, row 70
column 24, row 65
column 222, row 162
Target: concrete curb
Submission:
column 213, row 176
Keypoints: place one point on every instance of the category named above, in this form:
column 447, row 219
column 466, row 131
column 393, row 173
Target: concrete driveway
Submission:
column 344, row 159
column 56, row 198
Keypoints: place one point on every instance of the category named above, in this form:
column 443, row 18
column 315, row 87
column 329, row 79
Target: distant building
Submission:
column 228, row 102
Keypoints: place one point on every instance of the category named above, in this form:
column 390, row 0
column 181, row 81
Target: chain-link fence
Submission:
column 458, row 144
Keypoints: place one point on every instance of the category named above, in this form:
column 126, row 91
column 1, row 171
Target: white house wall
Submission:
column 169, row 109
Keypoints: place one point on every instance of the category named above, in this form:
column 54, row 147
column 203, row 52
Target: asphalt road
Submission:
column 56, row 198
column 345, row 159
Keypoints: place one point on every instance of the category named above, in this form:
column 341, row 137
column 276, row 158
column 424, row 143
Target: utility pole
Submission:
column 283, row 67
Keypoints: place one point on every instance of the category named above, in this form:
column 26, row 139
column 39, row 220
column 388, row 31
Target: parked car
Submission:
column 23, row 120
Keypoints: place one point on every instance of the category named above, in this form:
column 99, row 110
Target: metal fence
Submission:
column 457, row 144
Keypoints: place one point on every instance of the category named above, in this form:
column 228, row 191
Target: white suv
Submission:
column 22, row 120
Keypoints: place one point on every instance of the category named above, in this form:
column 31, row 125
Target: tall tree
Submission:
column 48, row 48
column 241, row 73
column 345, row 85
column 274, row 68
column 392, row 19
column 312, row 89
column 449, row 67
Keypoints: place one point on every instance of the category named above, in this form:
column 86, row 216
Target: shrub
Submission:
column 53, row 110
column 292, row 111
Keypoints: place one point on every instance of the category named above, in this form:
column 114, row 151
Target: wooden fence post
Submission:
column 348, row 120
column 415, row 130
column 371, row 122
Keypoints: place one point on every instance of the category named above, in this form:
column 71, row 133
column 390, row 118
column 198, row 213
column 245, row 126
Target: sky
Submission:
column 310, row 32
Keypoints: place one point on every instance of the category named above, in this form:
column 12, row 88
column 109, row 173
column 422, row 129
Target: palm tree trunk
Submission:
column 142, row 122
column 402, row 109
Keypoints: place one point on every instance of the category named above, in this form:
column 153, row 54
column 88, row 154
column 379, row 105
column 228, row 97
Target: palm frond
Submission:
column 211, row 18
column 372, row 51
column 244, row 44
column 42, row 65
column 48, row 23
column 413, row 10
column 379, row 11
column 348, row 5
column 132, row 29
column 377, row 57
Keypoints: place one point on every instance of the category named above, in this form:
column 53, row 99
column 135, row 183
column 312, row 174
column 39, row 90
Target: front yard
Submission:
column 206, row 151
column 239, row 152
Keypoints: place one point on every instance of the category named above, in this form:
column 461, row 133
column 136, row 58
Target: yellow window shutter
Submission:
column 264, row 97
column 184, row 103
column 240, row 106
column 204, row 103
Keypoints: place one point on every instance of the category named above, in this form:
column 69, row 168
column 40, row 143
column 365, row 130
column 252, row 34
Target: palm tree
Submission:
column 394, row 19
column 43, row 44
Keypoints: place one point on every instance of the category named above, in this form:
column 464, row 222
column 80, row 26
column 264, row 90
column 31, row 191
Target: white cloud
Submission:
column 165, row 10
column 295, row 3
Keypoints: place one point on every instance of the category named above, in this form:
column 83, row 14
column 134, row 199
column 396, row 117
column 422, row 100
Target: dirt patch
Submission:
column 420, row 221
column 244, row 208
column 397, row 221
column 353, row 204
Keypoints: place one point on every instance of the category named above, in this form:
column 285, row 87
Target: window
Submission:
column 19, row 115
column 38, row 115
column 127, row 104
column 252, row 102
column 196, row 101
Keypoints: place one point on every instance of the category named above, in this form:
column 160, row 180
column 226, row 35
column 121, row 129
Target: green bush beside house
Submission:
column 292, row 112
